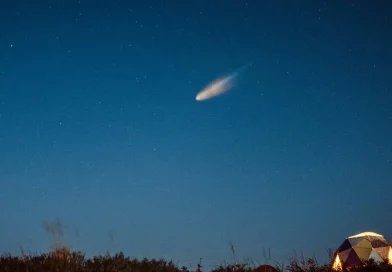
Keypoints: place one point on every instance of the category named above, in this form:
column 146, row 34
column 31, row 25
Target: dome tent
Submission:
column 357, row 249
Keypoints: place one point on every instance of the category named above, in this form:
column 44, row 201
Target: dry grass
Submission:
column 61, row 258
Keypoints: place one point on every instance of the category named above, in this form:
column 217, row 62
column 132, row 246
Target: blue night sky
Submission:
column 99, row 126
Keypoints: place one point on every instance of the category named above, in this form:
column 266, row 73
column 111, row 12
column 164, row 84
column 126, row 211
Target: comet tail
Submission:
column 219, row 86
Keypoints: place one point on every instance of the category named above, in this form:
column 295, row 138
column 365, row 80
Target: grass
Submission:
column 60, row 258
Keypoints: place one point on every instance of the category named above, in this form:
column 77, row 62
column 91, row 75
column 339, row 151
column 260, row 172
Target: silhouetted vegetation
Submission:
column 64, row 260
column 60, row 258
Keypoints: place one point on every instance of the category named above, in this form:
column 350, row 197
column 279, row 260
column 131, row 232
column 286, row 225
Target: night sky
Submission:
column 99, row 126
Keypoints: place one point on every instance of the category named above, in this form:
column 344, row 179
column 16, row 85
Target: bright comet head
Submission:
column 214, row 89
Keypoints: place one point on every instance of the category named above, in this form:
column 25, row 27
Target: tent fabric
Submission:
column 363, row 252
column 379, row 243
column 344, row 254
column 354, row 241
column 346, row 245
column 353, row 259
column 359, row 248
column 383, row 251
column 364, row 243
column 375, row 256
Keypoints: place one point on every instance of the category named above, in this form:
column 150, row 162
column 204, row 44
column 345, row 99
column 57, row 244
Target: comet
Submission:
column 219, row 86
